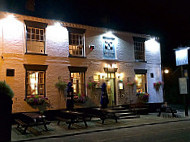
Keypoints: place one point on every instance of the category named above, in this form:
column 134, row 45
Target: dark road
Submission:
column 169, row 132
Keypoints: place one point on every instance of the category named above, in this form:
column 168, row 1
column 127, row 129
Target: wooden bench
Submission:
column 167, row 110
column 71, row 117
column 99, row 113
column 25, row 121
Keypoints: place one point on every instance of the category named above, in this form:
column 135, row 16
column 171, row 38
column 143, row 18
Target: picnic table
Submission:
column 31, row 119
column 71, row 117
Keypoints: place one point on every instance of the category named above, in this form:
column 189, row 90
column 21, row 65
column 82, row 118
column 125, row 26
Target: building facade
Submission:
column 37, row 53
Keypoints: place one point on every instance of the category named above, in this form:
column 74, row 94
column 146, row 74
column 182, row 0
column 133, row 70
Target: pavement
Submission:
column 95, row 125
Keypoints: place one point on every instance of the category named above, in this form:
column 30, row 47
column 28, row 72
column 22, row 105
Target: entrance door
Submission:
column 111, row 91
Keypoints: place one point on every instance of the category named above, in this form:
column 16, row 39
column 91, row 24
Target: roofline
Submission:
column 67, row 24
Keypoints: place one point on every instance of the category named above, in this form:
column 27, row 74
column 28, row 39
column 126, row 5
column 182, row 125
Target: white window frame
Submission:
column 139, row 50
column 41, row 81
column 76, row 44
column 35, row 37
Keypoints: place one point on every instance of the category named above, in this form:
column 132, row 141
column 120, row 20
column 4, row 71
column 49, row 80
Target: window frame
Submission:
column 139, row 49
column 84, row 86
column 44, row 84
column 34, row 67
column 73, row 43
column 35, row 25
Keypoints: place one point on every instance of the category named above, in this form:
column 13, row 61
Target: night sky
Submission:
column 169, row 20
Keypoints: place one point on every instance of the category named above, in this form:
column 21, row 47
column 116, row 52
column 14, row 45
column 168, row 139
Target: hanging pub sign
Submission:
column 181, row 56
column 109, row 48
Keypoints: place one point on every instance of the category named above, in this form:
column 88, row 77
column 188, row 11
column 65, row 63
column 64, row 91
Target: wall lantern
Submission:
column 120, row 85
column 91, row 47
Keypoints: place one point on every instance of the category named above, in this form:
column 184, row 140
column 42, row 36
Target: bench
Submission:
column 167, row 110
column 99, row 113
column 71, row 117
column 25, row 121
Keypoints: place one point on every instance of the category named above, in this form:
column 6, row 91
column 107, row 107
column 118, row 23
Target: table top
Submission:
column 34, row 115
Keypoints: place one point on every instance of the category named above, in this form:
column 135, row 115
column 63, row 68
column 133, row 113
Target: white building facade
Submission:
column 36, row 53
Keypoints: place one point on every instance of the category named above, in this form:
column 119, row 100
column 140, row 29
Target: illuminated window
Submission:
column 140, row 82
column 35, row 83
column 139, row 49
column 76, row 44
column 35, row 37
column 77, row 79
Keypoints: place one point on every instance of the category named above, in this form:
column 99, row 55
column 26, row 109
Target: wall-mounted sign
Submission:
column 120, row 85
column 181, row 57
column 183, row 85
column 109, row 48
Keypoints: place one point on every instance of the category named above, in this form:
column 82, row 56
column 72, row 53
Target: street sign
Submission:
column 183, row 85
column 181, row 57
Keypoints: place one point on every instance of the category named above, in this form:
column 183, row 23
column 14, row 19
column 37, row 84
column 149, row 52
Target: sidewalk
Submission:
column 93, row 126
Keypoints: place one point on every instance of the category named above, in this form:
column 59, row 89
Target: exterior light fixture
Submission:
column 91, row 47
column 166, row 71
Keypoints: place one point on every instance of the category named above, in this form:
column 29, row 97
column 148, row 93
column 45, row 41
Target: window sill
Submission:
column 36, row 54
column 70, row 56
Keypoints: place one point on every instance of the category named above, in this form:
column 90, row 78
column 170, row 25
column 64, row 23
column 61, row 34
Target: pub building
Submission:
column 37, row 53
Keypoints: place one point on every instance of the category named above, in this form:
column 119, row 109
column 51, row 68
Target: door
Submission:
column 111, row 91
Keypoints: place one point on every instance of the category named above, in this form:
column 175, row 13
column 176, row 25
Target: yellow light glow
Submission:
column 120, row 75
column 114, row 65
column 166, row 71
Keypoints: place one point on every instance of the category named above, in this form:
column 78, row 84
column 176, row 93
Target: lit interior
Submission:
column 140, row 82
column 34, row 83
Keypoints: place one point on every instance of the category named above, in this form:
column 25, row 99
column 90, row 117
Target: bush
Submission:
column 5, row 89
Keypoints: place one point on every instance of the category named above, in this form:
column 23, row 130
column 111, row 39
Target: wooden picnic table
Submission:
column 31, row 119
column 71, row 117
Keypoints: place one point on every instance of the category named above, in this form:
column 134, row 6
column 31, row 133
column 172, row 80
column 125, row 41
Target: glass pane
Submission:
column 33, row 30
column 37, row 31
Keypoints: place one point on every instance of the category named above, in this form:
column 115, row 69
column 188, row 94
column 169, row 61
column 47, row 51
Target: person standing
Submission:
column 104, row 96
column 70, row 101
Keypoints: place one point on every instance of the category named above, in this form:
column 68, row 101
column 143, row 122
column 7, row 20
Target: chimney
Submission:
column 30, row 5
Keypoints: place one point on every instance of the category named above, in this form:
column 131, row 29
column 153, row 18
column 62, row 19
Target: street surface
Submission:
column 169, row 132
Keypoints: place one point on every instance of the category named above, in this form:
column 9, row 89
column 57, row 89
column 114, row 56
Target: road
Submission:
column 169, row 132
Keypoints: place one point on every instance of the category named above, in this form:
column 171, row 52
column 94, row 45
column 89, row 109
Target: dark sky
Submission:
column 168, row 19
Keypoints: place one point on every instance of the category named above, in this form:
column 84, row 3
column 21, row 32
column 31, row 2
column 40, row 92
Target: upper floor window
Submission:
column 76, row 42
column 139, row 49
column 35, row 37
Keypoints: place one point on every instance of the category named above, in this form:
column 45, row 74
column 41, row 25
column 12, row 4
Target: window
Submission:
column 35, row 40
column 139, row 49
column 77, row 79
column 35, row 79
column 140, row 82
column 35, row 83
column 76, row 44
column 35, row 37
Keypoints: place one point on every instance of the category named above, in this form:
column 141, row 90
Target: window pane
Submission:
column 140, row 82
column 76, row 41
column 78, row 83
column 35, row 83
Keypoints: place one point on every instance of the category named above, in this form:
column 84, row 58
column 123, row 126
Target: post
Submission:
column 185, row 95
